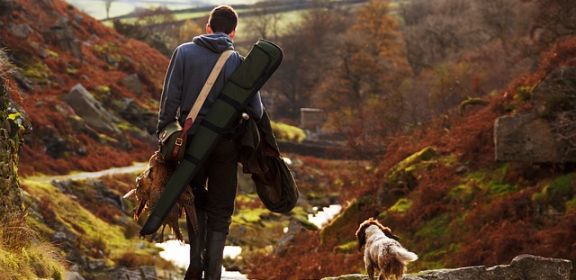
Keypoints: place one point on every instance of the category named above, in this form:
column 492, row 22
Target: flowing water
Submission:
column 178, row 252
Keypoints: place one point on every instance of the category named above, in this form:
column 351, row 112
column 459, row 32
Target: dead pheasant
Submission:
column 150, row 185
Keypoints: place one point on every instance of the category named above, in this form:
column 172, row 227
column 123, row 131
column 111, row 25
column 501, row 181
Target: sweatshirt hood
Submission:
column 217, row 42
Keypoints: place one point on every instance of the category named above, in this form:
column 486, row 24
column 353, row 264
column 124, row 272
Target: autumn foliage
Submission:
column 50, row 69
column 465, row 208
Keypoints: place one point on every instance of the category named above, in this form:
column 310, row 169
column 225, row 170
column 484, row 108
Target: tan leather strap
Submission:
column 208, row 85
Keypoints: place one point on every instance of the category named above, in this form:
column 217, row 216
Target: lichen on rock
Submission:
column 11, row 131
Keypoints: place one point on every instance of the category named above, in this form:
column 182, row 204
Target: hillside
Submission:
column 56, row 47
column 83, row 97
column 440, row 189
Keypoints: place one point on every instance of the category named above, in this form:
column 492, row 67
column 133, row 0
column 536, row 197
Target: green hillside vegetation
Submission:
column 100, row 231
column 286, row 132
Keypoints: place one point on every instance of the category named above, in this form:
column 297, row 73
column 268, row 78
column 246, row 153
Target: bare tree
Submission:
column 553, row 19
column 108, row 4
column 265, row 22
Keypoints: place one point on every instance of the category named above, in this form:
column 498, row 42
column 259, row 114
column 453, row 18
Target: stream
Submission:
column 178, row 252
column 174, row 250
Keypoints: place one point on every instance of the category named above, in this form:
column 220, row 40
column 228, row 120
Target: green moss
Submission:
column 490, row 182
column 52, row 53
column 71, row 71
column 401, row 206
column 472, row 101
column 558, row 190
column 571, row 204
column 245, row 216
column 348, row 216
column 523, row 93
column 434, row 228
column 561, row 187
column 299, row 214
column 348, row 247
column 478, row 176
column 434, row 242
column 286, row 132
column 498, row 188
column 425, row 154
column 449, row 160
column 102, row 89
column 103, row 138
column 463, row 193
column 92, row 230
column 38, row 71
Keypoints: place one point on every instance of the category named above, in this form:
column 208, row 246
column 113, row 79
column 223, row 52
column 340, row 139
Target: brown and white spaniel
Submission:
column 382, row 251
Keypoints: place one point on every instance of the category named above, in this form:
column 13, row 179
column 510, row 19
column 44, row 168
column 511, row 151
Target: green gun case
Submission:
column 247, row 79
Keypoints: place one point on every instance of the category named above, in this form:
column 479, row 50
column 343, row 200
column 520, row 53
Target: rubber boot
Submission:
column 197, row 247
column 214, row 254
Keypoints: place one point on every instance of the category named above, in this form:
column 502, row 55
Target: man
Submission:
column 189, row 68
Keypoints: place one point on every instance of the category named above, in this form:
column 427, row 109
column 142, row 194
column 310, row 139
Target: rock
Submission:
column 294, row 228
column 148, row 272
column 20, row 30
column 91, row 110
column 545, row 134
column 462, row 169
column 471, row 272
column 140, row 273
column 96, row 264
column 59, row 237
column 133, row 83
column 23, row 82
column 56, row 146
column 69, row 275
column 137, row 115
column 126, row 274
column 62, row 35
column 540, row 268
column 523, row 267
column 528, row 138
column 556, row 93
column 349, row 277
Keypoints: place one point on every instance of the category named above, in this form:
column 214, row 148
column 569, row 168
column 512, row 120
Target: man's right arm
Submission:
column 172, row 91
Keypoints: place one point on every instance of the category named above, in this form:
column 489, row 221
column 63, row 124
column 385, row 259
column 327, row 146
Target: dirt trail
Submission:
column 78, row 176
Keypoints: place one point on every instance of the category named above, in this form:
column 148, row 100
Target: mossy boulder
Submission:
column 91, row 110
column 11, row 132
column 346, row 222
column 401, row 179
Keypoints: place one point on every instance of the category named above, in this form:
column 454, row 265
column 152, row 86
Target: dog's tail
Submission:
column 404, row 255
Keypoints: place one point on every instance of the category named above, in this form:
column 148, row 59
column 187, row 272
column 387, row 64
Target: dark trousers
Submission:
column 214, row 186
column 214, row 189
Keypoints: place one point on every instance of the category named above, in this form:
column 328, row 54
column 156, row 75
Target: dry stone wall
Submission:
column 523, row 267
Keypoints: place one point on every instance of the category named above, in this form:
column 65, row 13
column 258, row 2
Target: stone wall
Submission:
column 523, row 267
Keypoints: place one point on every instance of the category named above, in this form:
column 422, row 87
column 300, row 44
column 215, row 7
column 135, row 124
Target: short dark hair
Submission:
column 223, row 19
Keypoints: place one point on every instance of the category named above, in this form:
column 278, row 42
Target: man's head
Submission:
column 222, row 19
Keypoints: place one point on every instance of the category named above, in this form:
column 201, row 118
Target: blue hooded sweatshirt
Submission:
column 189, row 68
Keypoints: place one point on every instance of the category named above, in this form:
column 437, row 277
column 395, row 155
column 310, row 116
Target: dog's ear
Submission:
column 388, row 232
column 361, row 234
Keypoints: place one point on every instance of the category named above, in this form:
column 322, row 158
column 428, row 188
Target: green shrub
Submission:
column 286, row 132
